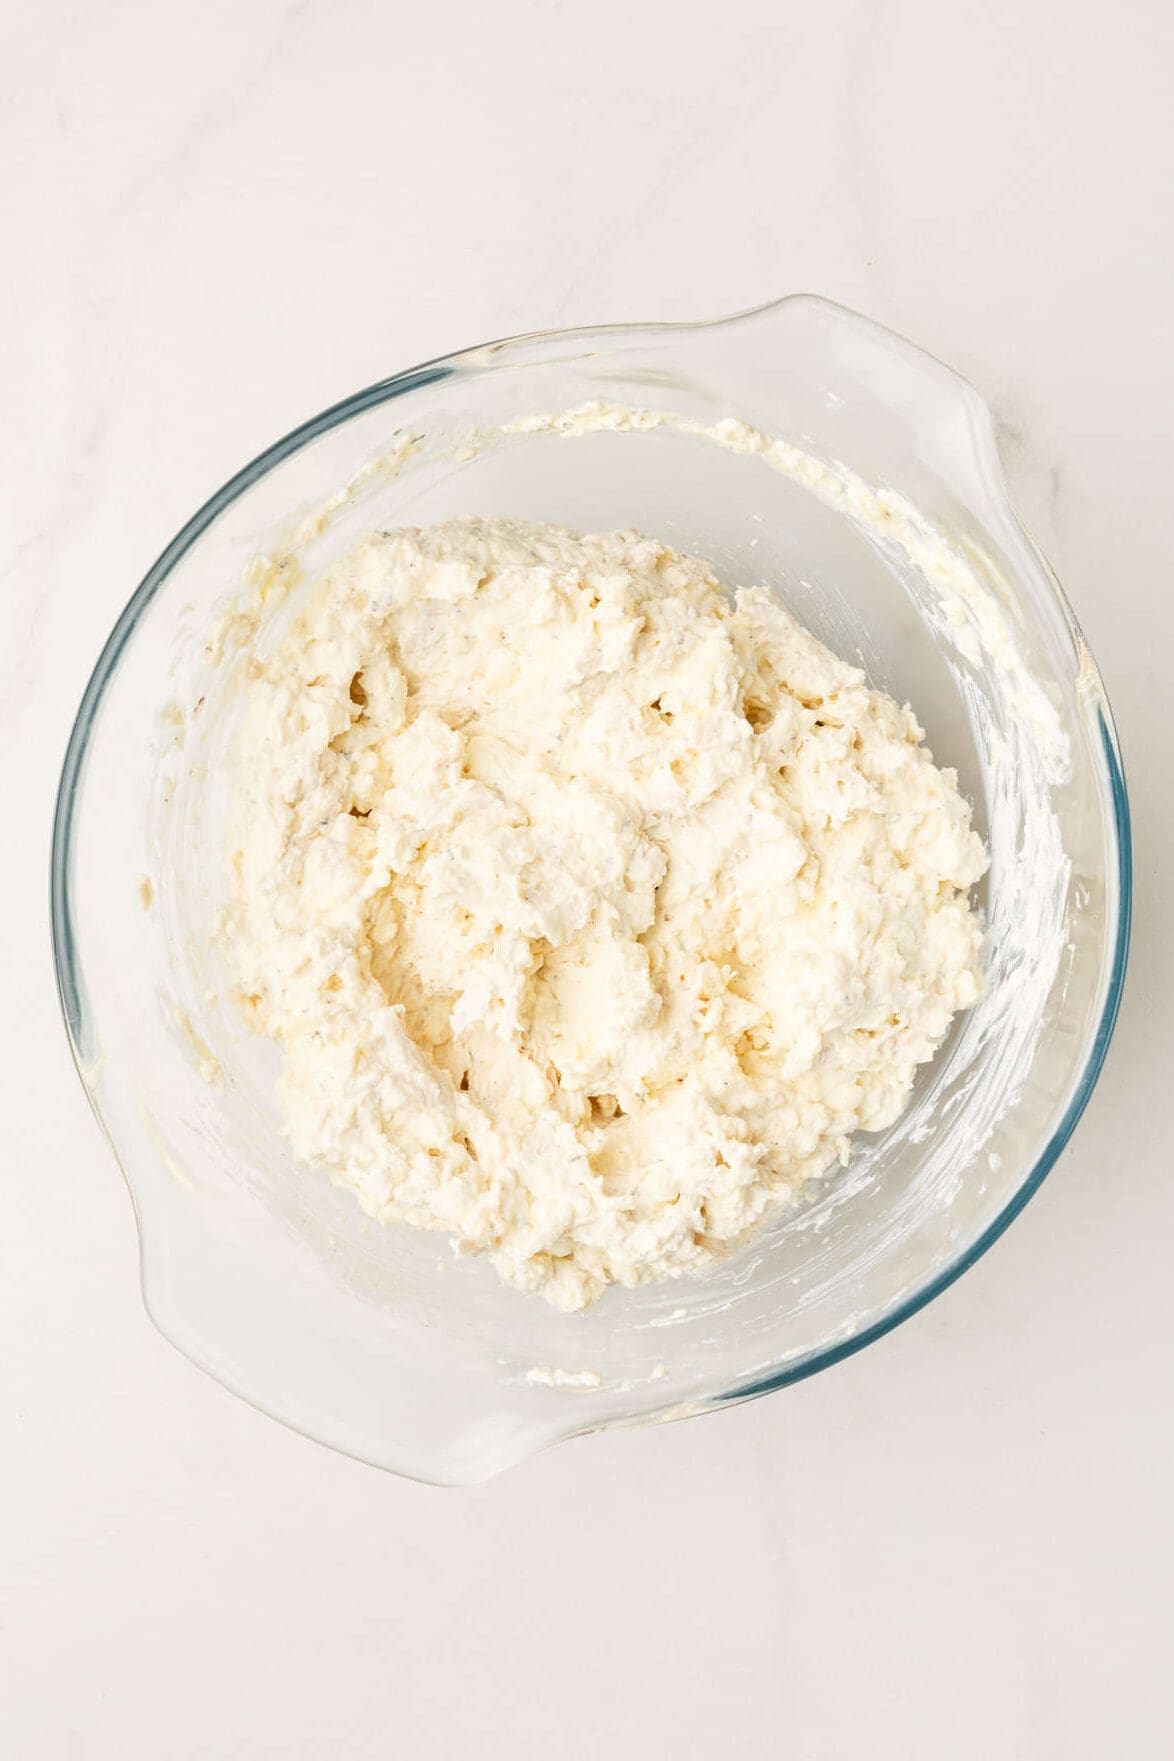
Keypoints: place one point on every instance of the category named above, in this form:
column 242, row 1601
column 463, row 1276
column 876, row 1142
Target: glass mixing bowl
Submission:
column 807, row 448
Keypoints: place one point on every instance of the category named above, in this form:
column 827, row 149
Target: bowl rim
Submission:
column 1116, row 822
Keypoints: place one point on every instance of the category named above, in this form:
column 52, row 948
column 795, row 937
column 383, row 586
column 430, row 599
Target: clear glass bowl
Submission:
column 885, row 524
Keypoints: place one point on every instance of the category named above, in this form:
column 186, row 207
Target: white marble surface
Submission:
column 220, row 218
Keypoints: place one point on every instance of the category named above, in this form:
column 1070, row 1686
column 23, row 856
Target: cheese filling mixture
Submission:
column 593, row 909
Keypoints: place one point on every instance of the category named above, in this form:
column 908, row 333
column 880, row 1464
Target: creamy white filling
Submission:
column 593, row 910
